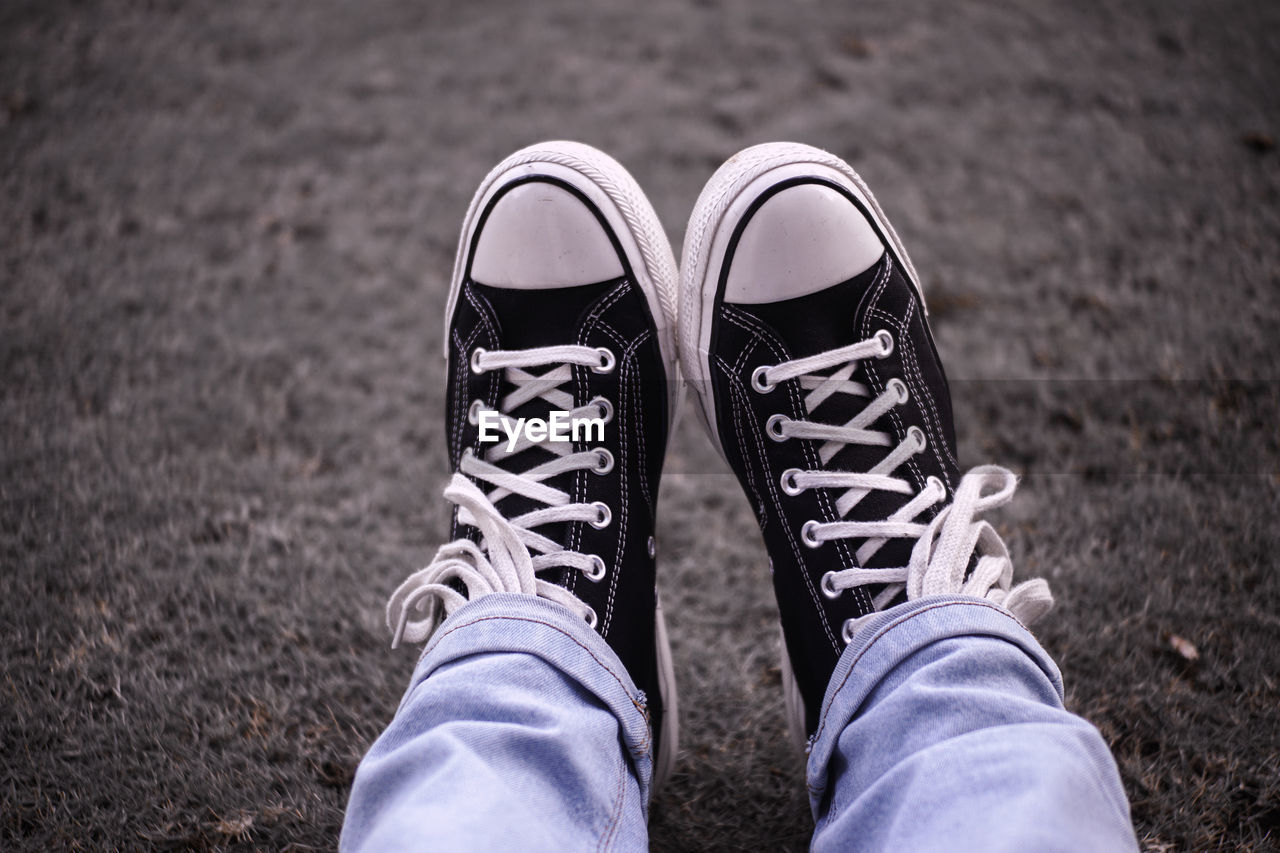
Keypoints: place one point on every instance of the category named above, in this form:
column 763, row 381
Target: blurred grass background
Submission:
column 227, row 232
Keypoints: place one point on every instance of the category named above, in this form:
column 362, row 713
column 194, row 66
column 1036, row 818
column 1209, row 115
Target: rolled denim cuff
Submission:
column 891, row 637
column 526, row 624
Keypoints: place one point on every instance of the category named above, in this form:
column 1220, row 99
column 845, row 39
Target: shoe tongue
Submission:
column 539, row 318
column 823, row 321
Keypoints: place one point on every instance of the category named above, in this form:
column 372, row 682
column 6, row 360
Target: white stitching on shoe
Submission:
column 736, row 386
column 919, row 387
column 642, row 451
column 487, row 324
column 912, row 360
column 873, row 374
column 737, row 409
column 484, row 308
column 624, row 451
column 580, row 383
column 627, row 361
column 778, row 353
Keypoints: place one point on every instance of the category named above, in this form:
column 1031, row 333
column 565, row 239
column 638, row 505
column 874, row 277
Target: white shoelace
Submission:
column 931, row 570
column 511, row 553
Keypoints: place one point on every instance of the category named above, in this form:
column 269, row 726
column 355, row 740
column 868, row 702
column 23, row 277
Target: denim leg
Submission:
column 519, row 731
column 943, row 729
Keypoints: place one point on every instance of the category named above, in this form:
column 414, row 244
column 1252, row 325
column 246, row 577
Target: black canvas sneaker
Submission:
column 803, row 330
column 560, row 313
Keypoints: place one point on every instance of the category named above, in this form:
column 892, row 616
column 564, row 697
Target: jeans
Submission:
column 942, row 729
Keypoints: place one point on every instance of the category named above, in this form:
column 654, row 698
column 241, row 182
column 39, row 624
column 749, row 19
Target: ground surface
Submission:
column 225, row 235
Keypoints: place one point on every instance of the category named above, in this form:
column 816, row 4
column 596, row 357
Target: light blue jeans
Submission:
column 942, row 729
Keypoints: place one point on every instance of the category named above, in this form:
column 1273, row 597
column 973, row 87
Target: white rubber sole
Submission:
column 725, row 199
column 619, row 198
column 792, row 701
column 665, row 760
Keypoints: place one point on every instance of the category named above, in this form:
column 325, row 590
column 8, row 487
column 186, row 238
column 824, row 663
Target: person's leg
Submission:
column 520, row 730
column 543, row 711
column 805, row 333
column 943, row 729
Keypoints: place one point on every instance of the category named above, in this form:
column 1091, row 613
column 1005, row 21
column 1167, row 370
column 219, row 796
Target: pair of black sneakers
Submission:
column 800, row 323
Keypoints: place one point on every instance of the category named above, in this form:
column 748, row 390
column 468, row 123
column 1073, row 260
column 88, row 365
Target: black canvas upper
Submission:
column 745, row 337
column 613, row 314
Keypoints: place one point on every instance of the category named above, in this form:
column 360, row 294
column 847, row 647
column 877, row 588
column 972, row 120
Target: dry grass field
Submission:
column 226, row 230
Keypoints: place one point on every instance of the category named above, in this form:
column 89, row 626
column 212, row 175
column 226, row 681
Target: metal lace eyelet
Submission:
column 827, row 589
column 605, row 407
column 917, row 438
column 604, row 460
column 760, row 382
column 603, row 515
column 475, row 360
column 607, row 361
column 899, row 389
column 885, row 337
column 846, row 631
column 473, row 413
column 773, row 427
column 938, row 486
column 592, row 619
column 788, row 482
column 598, row 569
column 808, row 534
column 653, row 547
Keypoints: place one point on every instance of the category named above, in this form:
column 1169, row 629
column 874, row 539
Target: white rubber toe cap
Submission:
column 803, row 239
column 539, row 236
